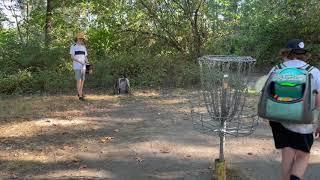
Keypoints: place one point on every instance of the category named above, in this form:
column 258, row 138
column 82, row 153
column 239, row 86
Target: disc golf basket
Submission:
column 222, row 108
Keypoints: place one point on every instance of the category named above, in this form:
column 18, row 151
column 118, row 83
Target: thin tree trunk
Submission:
column 196, row 35
column 27, row 20
column 13, row 13
column 194, row 20
column 18, row 27
column 48, row 25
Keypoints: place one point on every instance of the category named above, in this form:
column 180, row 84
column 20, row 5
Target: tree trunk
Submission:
column 197, row 36
column 48, row 25
column 27, row 19
column 197, row 41
column 18, row 28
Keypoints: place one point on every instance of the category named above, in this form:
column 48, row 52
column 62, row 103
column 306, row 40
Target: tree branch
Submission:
column 13, row 13
column 152, row 34
column 163, row 27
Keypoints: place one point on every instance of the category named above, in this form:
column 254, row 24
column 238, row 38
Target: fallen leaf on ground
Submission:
column 83, row 166
column 106, row 139
column 75, row 160
column 67, row 147
column 165, row 151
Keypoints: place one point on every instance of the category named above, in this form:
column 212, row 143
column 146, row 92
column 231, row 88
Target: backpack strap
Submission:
column 309, row 68
column 280, row 66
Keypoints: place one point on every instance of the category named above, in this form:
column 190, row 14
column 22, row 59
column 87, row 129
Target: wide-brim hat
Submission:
column 81, row 35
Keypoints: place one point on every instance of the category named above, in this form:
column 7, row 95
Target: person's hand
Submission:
column 82, row 63
column 78, row 61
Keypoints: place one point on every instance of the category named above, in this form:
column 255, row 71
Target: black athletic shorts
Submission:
column 283, row 137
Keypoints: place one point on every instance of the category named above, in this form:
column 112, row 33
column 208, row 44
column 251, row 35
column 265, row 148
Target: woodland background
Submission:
column 155, row 42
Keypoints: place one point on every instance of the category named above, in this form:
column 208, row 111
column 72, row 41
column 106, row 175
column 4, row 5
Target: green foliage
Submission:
column 8, row 52
column 144, row 71
column 155, row 43
column 13, row 83
column 37, row 82
column 262, row 27
column 51, row 82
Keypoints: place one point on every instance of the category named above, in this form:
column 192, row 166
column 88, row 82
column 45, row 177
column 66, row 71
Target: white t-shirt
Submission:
column 302, row 128
column 79, row 51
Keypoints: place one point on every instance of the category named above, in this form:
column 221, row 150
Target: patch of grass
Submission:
column 20, row 166
column 48, row 106
column 234, row 174
column 34, row 106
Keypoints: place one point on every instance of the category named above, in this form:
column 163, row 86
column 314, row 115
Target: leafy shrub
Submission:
column 36, row 82
column 14, row 83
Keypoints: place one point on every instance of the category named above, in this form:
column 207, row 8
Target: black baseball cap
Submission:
column 296, row 46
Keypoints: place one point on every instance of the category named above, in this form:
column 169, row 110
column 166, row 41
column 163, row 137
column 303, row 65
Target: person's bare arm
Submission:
column 75, row 59
column 86, row 57
column 86, row 60
column 317, row 132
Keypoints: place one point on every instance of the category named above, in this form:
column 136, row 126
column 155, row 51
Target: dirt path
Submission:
column 145, row 136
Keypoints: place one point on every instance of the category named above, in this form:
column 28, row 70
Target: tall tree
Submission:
column 183, row 23
column 48, row 22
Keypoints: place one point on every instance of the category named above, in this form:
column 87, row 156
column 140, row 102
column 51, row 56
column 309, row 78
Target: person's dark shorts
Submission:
column 285, row 138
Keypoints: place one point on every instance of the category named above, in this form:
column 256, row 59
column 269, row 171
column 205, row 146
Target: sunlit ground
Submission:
column 148, row 135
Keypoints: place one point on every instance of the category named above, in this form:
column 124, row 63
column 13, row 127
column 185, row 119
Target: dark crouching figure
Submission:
column 122, row 86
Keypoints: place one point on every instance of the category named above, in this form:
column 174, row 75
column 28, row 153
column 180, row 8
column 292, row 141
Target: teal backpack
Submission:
column 289, row 96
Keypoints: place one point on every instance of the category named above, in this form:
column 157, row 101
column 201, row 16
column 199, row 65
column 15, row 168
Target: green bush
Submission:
column 145, row 71
column 34, row 69
column 14, row 83
column 51, row 82
column 36, row 82
column 101, row 78
column 141, row 71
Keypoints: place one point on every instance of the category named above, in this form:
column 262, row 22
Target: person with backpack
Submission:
column 79, row 55
column 295, row 140
column 122, row 85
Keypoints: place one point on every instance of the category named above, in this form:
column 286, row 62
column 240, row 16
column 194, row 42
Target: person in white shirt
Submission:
column 295, row 140
column 79, row 55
